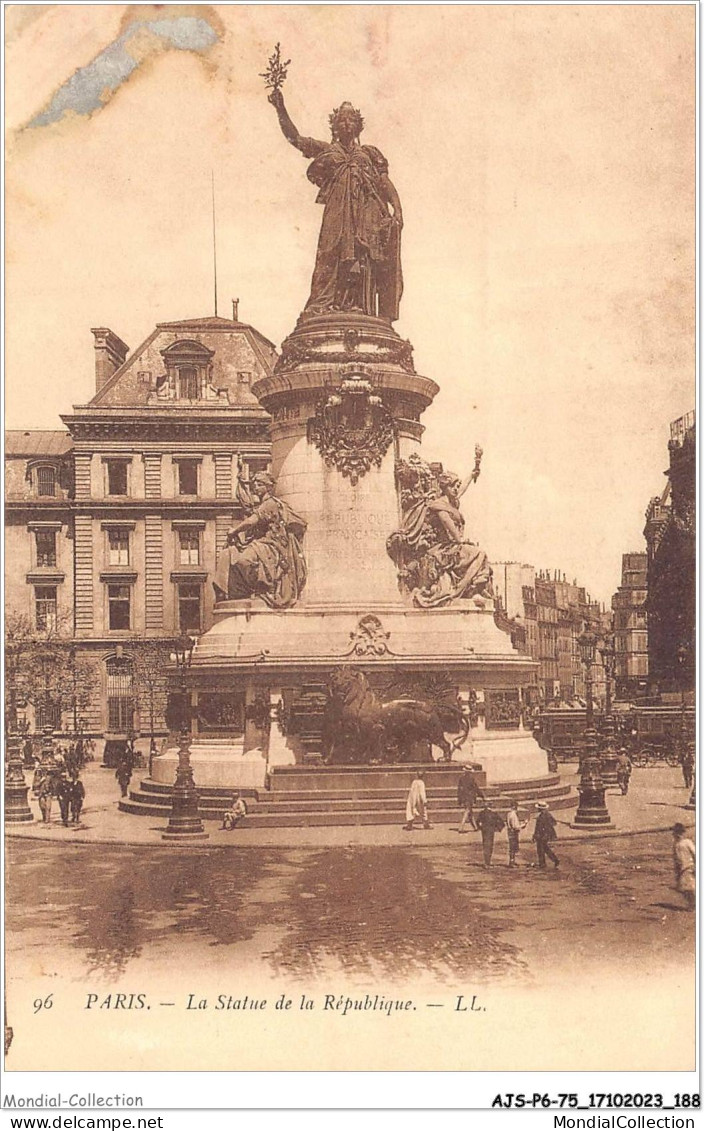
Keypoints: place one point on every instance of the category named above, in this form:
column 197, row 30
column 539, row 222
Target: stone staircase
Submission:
column 304, row 796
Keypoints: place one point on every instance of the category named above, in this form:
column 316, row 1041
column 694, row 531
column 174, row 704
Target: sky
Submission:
column 544, row 157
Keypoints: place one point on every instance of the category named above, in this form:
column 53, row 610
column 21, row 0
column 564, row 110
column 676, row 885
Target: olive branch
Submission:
column 276, row 71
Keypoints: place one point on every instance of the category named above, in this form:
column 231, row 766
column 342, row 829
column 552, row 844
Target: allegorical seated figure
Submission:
column 358, row 262
column 436, row 563
column 263, row 555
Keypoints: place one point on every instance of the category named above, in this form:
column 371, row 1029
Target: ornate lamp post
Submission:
column 16, row 789
column 609, row 756
column 185, row 823
column 47, row 661
column 592, row 809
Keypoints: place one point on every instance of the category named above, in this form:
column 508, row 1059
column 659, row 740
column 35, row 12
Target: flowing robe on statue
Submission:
column 451, row 568
column 358, row 262
column 271, row 565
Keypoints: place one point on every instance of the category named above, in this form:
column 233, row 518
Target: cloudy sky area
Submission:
column 544, row 159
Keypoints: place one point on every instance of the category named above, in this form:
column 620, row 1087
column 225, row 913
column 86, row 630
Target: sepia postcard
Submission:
column 350, row 551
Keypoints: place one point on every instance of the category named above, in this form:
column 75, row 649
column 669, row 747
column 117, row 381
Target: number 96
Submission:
column 43, row 1003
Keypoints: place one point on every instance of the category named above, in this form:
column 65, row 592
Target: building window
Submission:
column 117, row 477
column 46, row 481
column 188, row 477
column 119, row 607
column 244, row 378
column 45, row 607
column 46, row 547
column 120, row 695
column 119, row 547
column 189, row 619
column 47, row 714
column 188, row 383
column 188, row 547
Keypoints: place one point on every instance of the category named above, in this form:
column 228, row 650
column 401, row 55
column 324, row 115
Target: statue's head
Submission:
column 346, row 123
column 449, row 483
column 262, row 484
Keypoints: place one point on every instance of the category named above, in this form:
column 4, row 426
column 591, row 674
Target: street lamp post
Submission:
column 609, row 756
column 47, row 661
column 16, row 789
column 185, row 822
column 592, row 811
column 682, row 655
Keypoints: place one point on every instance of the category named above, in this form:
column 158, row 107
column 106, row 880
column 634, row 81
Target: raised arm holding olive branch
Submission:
column 358, row 261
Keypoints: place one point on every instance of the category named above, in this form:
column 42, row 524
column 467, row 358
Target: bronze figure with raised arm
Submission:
column 358, row 262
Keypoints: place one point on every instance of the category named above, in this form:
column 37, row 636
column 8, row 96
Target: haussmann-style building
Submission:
column 113, row 525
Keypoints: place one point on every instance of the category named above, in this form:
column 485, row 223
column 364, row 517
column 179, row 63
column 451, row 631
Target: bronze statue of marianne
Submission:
column 358, row 263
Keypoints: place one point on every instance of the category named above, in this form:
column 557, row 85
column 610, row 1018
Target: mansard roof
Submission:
column 35, row 443
column 236, row 348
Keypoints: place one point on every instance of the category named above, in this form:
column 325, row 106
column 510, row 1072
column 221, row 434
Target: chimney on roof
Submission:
column 110, row 352
column 235, row 308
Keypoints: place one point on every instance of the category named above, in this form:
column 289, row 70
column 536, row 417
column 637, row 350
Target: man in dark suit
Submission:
column 489, row 823
column 544, row 833
column 78, row 794
column 64, row 793
column 468, row 792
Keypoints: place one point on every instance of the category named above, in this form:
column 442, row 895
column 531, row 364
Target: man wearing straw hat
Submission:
column 543, row 834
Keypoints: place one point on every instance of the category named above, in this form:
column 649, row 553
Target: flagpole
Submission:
column 215, row 254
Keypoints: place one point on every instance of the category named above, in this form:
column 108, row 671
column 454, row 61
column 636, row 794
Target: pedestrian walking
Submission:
column 624, row 769
column 236, row 813
column 684, row 858
column 468, row 793
column 687, row 763
column 45, row 797
column 123, row 773
column 543, row 834
column 514, row 824
column 64, row 792
column 489, row 823
column 78, row 794
column 417, row 804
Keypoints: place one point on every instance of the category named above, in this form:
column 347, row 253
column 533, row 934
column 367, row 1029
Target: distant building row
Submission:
column 653, row 611
column 546, row 614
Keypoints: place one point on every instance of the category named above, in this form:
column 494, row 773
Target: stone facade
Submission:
column 552, row 613
column 113, row 526
column 670, row 534
column 631, row 627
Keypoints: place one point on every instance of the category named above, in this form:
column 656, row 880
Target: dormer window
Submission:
column 46, row 481
column 189, row 370
column 188, row 383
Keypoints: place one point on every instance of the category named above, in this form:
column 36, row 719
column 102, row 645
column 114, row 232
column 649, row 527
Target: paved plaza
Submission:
column 656, row 800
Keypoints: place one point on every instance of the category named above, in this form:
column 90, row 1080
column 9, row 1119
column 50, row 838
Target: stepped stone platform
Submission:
column 304, row 796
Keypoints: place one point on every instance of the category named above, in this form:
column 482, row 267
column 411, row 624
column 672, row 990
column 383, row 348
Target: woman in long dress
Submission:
column 358, row 261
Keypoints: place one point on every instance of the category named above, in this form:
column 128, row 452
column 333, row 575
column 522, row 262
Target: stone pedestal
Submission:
column 346, row 403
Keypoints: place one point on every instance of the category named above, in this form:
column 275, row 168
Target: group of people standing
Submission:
column 68, row 789
column 488, row 821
